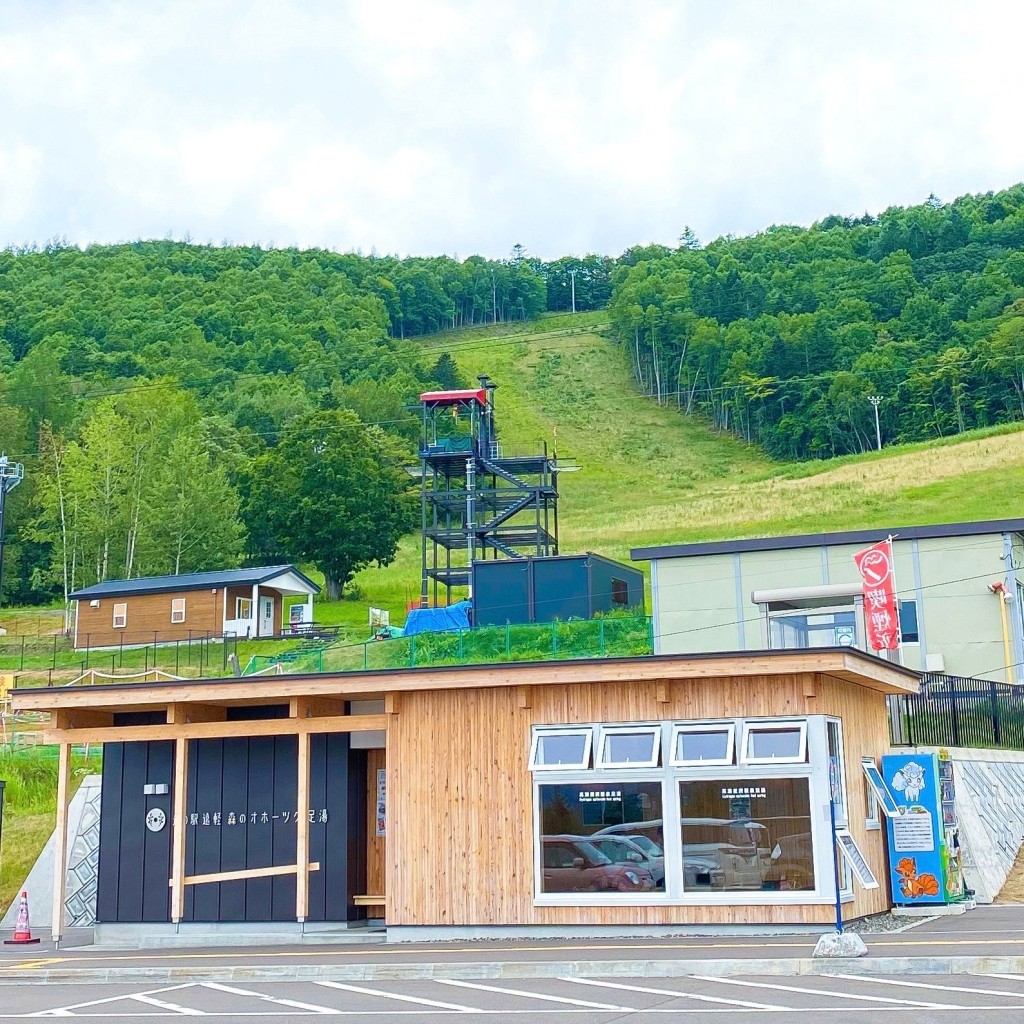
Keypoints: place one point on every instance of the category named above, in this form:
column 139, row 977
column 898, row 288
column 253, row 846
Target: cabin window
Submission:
column 774, row 742
column 703, row 745
column 561, row 748
column 630, row 747
column 620, row 592
column 741, row 835
column 601, row 838
column 177, row 609
column 120, row 615
column 243, row 607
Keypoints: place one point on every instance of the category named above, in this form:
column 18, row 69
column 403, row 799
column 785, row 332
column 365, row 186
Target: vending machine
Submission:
column 924, row 843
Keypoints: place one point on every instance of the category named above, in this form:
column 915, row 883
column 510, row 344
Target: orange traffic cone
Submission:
column 22, row 931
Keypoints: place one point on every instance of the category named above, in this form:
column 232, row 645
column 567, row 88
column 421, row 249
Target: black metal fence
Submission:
column 954, row 711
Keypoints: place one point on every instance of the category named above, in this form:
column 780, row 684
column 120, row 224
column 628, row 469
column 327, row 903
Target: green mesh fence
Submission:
column 609, row 637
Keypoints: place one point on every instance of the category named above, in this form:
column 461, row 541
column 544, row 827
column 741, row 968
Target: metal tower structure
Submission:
column 478, row 501
column 11, row 474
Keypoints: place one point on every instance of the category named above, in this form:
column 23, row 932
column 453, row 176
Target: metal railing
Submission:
column 613, row 636
column 958, row 711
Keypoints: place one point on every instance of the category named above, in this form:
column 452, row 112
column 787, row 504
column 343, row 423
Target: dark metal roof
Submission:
column 815, row 540
column 191, row 581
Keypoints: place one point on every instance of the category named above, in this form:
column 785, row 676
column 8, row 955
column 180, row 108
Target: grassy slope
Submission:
column 650, row 476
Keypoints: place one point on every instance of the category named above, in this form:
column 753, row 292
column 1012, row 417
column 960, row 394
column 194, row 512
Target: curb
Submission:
column 467, row 971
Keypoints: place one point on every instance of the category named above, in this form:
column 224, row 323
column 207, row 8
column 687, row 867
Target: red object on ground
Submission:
column 22, row 931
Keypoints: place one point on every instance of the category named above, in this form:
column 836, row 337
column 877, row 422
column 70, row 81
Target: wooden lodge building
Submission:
column 162, row 609
column 641, row 794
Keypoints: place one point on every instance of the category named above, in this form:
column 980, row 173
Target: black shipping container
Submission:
column 518, row 590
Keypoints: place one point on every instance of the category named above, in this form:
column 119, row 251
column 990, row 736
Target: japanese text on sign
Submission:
column 218, row 818
column 881, row 610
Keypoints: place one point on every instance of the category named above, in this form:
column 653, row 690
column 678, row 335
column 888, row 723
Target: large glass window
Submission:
column 601, row 837
column 741, row 835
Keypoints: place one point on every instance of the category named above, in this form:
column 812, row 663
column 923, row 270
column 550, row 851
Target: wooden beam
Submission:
column 60, row 845
column 315, row 707
column 78, row 718
column 302, row 832
column 810, row 685
column 391, row 702
column 661, row 692
column 235, row 876
column 369, row 901
column 220, row 730
column 184, row 714
column 179, row 820
column 523, row 697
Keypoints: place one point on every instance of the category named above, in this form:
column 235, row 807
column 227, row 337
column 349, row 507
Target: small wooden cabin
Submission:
column 644, row 793
column 162, row 609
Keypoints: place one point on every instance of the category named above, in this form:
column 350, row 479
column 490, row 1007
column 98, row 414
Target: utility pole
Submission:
column 572, row 274
column 875, row 400
column 11, row 474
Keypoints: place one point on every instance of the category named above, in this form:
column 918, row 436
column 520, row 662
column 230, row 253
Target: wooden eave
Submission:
column 852, row 667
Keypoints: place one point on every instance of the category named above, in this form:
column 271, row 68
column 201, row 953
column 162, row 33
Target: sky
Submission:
column 455, row 126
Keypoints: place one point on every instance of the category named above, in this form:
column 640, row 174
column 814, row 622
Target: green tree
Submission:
column 333, row 493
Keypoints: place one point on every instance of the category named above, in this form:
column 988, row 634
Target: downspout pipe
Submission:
column 1004, row 598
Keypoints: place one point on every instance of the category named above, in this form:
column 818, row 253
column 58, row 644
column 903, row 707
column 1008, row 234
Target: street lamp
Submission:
column 876, row 400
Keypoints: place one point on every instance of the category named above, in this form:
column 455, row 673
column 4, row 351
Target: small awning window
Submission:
column 703, row 745
column 633, row 746
column 774, row 743
column 555, row 749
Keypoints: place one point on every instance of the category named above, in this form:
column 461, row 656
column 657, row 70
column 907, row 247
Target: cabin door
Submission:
column 266, row 616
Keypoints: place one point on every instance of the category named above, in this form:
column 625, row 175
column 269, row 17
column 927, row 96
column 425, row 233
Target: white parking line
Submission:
column 394, row 995
column 294, row 1003
column 670, row 992
column 535, row 995
column 65, row 1011
column 834, row 995
column 940, row 988
column 162, row 1004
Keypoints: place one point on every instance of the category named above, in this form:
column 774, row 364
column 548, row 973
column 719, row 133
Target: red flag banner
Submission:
column 881, row 612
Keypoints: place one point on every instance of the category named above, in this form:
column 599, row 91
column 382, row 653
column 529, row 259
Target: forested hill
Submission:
column 783, row 336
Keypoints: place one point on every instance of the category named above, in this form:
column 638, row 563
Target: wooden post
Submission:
column 60, row 849
column 302, row 832
column 179, row 819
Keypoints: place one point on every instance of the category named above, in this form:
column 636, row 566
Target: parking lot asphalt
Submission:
column 830, row 999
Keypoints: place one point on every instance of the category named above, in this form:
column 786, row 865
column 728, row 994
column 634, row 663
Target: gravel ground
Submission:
column 884, row 923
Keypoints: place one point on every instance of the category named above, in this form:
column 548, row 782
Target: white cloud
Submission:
column 466, row 126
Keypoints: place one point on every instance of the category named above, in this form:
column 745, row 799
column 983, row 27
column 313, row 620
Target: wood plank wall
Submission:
column 149, row 613
column 460, row 816
column 375, row 845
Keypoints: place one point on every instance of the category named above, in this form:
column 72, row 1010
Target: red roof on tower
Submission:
column 453, row 397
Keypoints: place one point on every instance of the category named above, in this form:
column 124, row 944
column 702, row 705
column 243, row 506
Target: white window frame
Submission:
column 177, row 611
column 584, row 765
column 876, row 800
column 776, row 725
column 680, row 729
column 605, row 731
column 857, row 864
column 239, row 603
column 813, row 770
column 121, row 615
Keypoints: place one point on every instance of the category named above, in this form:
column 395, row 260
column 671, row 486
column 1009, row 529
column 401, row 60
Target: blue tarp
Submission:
column 438, row 620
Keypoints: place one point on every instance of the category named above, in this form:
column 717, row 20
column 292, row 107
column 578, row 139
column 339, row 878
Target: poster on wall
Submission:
column 382, row 782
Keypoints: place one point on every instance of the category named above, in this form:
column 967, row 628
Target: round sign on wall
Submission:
column 155, row 820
